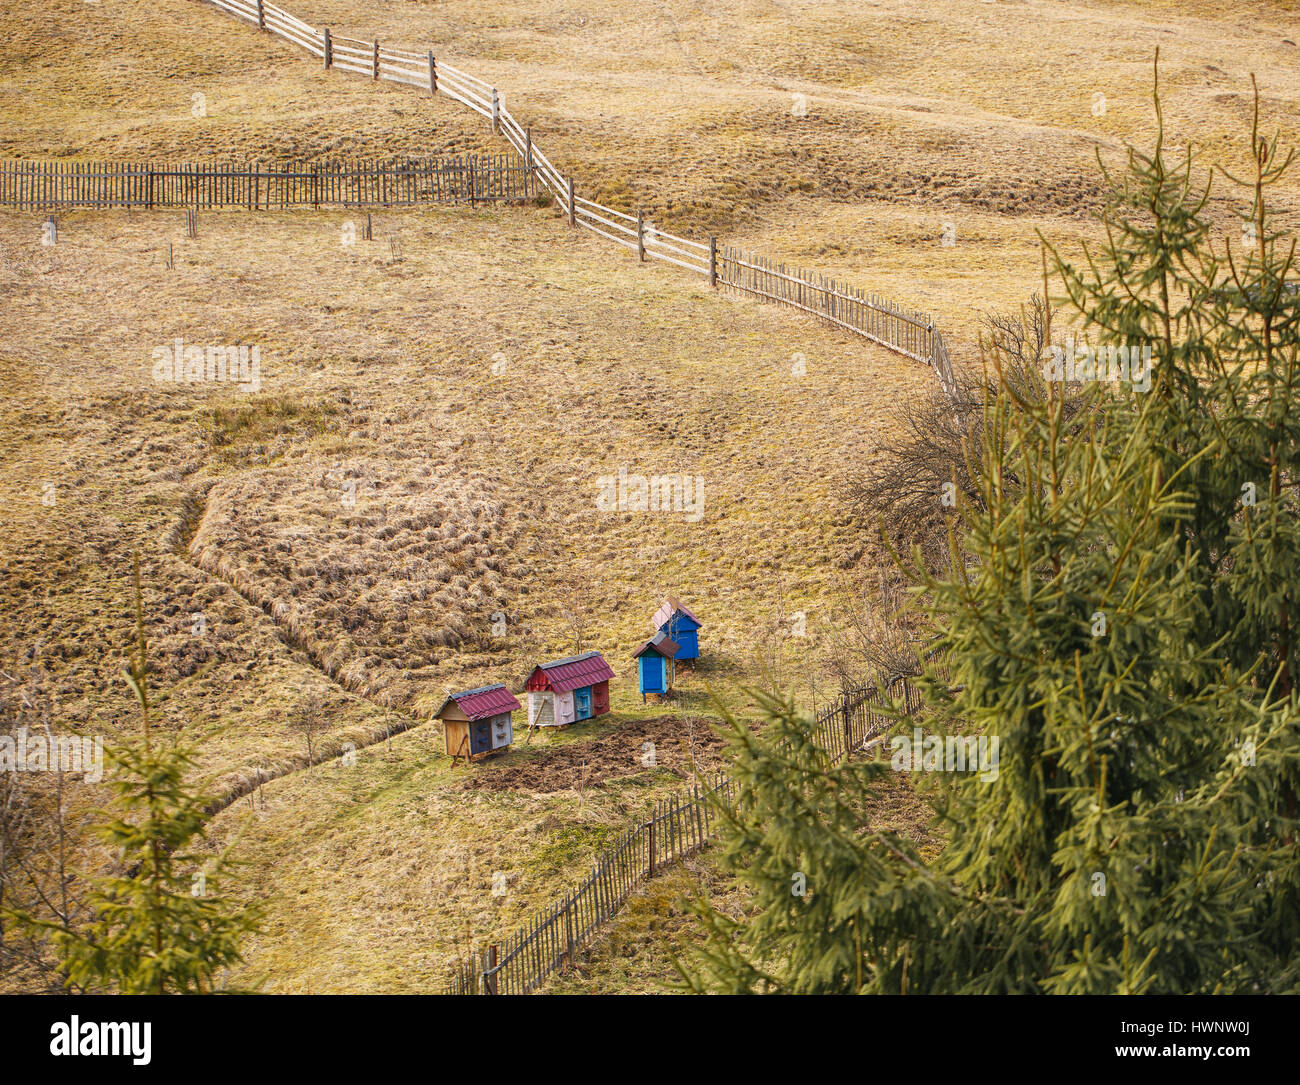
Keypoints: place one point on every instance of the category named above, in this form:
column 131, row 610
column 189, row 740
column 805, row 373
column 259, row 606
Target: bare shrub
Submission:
column 874, row 635
column 308, row 720
column 911, row 491
column 37, row 841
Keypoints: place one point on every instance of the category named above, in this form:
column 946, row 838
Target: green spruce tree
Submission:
column 1118, row 613
column 160, row 927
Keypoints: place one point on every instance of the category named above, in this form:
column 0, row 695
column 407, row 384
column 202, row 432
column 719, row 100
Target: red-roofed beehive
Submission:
column 565, row 691
column 477, row 722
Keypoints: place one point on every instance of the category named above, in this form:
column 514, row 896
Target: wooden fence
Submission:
column 909, row 333
column 871, row 316
column 675, row 828
column 256, row 186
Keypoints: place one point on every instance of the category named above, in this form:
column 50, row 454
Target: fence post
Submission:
column 640, row 234
column 329, row 49
column 496, row 112
column 568, row 926
column 261, row 14
column 713, row 262
column 528, row 158
column 573, row 220
column 848, row 730
column 651, row 872
column 490, row 975
column 433, row 75
column 375, row 69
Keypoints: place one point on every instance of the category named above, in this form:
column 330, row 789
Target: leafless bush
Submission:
column 874, row 635
column 308, row 719
column 923, row 475
column 36, row 844
column 919, row 478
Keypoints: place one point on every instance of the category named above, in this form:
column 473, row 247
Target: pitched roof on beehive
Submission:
column 563, row 675
column 660, row 645
column 670, row 606
column 482, row 702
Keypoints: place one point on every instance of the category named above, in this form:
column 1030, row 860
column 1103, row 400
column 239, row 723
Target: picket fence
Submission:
column 909, row 333
column 258, row 186
column 676, row 827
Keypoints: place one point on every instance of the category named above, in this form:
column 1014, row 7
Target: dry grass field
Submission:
column 982, row 114
column 408, row 504
column 475, row 490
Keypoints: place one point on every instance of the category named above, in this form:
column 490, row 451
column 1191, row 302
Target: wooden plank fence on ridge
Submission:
column 892, row 326
column 676, row 827
column 255, row 186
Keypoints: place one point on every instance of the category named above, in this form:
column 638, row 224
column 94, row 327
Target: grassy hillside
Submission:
column 437, row 408
column 475, row 489
column 982, row 118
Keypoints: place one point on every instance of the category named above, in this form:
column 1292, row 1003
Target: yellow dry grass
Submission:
column 235, row 500
column 379, row 875
column 471, row 375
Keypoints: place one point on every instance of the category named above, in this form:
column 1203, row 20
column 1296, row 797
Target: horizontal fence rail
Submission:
column 676, row 827
column 903, row 331
column 258, row 186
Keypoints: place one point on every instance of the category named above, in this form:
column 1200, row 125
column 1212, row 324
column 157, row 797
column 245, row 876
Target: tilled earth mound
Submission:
column 677, row 746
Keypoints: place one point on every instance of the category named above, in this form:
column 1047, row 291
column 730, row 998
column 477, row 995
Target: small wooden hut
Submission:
column 676, row 622
column 567, row 691
column 656, row 667
column 477, row 722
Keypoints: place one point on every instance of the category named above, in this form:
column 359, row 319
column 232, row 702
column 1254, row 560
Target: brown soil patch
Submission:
column 611, row 756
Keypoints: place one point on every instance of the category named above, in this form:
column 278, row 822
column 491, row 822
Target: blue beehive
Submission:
column 654, row 666
column 677, row 623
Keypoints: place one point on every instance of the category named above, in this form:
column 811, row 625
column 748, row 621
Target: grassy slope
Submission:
column 379, row 874
column 642, row 370
column 379, row 368
column 657, row 930
column 385, row 367
column 978, row 114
